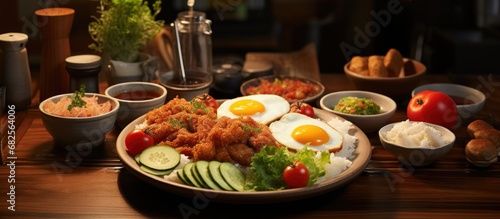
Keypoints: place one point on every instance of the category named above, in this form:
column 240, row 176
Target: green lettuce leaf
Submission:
column 266, row 170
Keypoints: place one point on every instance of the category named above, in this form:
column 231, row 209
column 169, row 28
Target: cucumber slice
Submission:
column 160, row 157
column 156, row 172
column 213, row 171
column 137, row 159
column 180, row 175
column 189, row 175
column 201, row 168
column 197, row 176
column 233, row 176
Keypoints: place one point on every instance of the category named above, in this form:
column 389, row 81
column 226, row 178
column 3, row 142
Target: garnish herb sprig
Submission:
column 76, row 100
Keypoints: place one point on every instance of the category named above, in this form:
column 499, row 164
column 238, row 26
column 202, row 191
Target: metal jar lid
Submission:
column 253, row 69
column 83, row 61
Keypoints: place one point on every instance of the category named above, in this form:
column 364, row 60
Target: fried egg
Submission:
column 263, row 108
column 294, row 130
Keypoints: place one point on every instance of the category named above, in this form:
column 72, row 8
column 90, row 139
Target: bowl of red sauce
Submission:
column 136, row 99
column 292, row 88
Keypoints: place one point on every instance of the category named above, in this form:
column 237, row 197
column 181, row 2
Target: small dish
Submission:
column 482, row 164
column 469, row 100
column 136, row 99
column 367, row 123
column 316, row 92
column 417, row 156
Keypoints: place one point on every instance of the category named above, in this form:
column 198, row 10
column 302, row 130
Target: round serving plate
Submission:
column 362, row 157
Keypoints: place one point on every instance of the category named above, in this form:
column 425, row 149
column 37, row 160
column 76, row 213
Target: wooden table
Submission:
column 53, row 183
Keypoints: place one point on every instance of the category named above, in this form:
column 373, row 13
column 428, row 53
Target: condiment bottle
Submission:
column 84, row 70
column 14, row 70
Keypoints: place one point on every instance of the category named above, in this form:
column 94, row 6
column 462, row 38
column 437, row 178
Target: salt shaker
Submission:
column 14, row 70
column 84, row 70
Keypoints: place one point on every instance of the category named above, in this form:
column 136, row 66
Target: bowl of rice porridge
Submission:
column 416, row 143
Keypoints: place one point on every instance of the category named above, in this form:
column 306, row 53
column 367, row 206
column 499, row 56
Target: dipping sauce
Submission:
column 461, row 100
column 137, row 95
column 190, row 81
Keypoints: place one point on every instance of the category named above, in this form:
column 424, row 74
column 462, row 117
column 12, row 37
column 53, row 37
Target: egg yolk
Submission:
column 311, row 134
column 247, row 107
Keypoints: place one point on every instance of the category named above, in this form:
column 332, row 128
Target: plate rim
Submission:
column 362, row 151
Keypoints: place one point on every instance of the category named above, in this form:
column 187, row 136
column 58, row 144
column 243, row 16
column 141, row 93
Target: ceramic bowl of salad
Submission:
column 367, row 110
column 79, row 121
column 293, row 89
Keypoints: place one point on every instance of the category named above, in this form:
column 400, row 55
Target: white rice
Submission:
column 142, row 125
column 341, row 160
column 173, row 175
column 415, row 135
column 350, row 141
column 336, row 166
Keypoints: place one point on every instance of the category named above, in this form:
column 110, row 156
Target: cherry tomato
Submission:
column 296, row 175
column 137, row 140
column 207, row 100
column 303, row 108
column 433, row 107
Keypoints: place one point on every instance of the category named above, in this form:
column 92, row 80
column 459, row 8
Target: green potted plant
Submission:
column 122, row 31
column 124, row 28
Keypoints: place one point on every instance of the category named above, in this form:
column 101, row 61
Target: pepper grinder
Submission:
column 14, row 70
column 55, row 26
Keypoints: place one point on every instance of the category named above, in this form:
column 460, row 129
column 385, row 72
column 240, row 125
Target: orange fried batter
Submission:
column 194, row 131
column 230, row 135
column 176, row 106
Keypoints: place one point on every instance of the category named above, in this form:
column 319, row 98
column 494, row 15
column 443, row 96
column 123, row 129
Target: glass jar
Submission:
column 194, row 32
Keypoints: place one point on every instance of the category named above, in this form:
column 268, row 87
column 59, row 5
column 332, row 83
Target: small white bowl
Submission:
column 79, row 133
column 416, row 156
column 367, row 123
column 138, row 99
column 198, row 83
column 469, row 100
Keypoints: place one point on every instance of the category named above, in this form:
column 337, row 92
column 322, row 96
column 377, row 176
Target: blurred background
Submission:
column 449, row 36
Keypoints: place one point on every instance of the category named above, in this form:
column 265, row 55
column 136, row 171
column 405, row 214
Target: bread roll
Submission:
column 393, row 61
column 359, row 65
column 376, row 67
column 409, row 68
column 481, row 150
column 490, row 134
column 477, row 125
